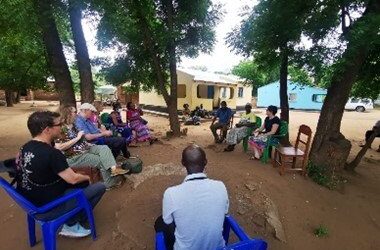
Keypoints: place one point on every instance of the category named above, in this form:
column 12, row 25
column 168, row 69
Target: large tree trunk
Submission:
column 54, row 49
column 284, row 103
column 9, row 98
column 172, row 105
column 330, row 148
column 354, row 163
column 17, row 97
column 83, row 59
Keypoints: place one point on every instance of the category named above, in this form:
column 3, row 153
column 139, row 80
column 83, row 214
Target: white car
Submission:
column 359, row 105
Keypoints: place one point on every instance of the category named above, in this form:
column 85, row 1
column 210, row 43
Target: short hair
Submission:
column 129, row 104
column 223, row 102
column 40, row 120
column 194, row 158
column 272, row 109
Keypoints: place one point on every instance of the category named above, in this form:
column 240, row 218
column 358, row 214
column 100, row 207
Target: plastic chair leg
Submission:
column 49, row 237
column 226, row 231
column 31, row 230
column 245, row 144
column 91, row 221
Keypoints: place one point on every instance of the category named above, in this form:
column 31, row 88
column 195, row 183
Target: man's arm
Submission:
column 71, row 177
column 167, row 208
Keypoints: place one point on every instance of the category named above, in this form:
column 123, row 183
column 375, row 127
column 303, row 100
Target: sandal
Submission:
column 118, row 171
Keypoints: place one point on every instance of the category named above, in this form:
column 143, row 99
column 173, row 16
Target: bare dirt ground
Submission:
column 125, row 216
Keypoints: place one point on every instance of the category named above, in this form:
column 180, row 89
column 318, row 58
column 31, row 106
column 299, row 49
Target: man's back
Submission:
column 198, row 207
column 40, row 164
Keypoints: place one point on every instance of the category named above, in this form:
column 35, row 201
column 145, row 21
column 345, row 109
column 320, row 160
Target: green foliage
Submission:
column 22, row 62
column 321, row 231
column 122, row 26
column 322, row 175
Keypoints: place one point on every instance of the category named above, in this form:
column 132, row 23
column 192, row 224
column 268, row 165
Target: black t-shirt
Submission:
column 40, row 164
column 268, row 124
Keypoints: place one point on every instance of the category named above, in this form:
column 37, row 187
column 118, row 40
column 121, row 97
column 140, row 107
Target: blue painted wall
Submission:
column 299, row 96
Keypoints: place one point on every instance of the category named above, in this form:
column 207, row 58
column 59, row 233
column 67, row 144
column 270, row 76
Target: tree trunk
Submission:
column 54, row 49
column 284, row 103
column 9, row 98
column 18, row 95
column 172, row 105
column 330, row 148
column 83, row 59
column 353, row 164
column 171, row 102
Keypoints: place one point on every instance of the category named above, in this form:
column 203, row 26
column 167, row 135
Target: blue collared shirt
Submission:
column 86, row 125
column 198, row 208
column 224, row 115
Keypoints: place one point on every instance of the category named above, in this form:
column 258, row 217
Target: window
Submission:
column 292, row 97
column 181, row 91
column 318, row 98
column 354, row 100
column 240, row 92
column 224, row 92
column 205, row 91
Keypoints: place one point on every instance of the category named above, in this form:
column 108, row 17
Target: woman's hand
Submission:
column 80, row 134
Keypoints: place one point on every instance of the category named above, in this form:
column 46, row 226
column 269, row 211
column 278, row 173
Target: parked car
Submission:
column 359, row 105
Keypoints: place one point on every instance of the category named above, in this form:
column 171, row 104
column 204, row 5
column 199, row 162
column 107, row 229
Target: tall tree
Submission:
column 83, row 59
column 54, row 50
column 22, row 65
column 330, row 148
column 155, row 34
column 270, row 33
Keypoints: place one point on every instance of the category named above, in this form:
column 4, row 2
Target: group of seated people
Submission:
column 247, row 123
column 193, row 212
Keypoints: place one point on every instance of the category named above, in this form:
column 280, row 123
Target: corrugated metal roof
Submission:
column 211, row 77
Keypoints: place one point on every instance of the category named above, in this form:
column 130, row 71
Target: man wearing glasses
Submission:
column 45, row 174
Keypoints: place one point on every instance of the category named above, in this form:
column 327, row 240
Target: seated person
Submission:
column 116, row 123
column 191, row 117
column 99, row 136
column 46, row 175
column 137, row 124
column 224, row 115
column 193, row 212
column 95, row 116
column 271, row 126
column 370, row 132
column 81, row 153
column 116, row 106
column 247, row 120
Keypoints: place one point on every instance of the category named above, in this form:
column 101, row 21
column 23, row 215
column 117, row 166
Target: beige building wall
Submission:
column 247, row 95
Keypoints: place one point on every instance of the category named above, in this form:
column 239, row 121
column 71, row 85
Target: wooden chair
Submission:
column 286, row 157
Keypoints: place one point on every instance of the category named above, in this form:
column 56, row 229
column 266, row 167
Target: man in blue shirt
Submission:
column 96, row 135
column 224, row 115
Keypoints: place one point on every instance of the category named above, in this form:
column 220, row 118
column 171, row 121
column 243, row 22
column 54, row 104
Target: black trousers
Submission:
column 93, row 193
column 369, row 133
column 167, row 230
column 117, row 145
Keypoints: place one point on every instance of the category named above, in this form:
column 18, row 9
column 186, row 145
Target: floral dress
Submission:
column 135, row 122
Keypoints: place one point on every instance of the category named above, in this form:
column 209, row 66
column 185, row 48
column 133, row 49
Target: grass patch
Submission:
column 321, row 176
column 321, row 231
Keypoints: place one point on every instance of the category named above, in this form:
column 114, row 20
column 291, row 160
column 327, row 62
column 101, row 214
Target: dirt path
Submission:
column 125, row 216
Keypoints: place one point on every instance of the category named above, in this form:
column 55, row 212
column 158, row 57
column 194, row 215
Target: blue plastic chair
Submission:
column 245, row 243
column 49, row 228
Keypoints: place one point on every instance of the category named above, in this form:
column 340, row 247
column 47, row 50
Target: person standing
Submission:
column 368, row 133
column 224, row 115
column 193, row 212
column 45, row 174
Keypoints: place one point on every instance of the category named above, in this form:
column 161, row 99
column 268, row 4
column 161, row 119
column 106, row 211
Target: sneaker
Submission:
column 75, row 231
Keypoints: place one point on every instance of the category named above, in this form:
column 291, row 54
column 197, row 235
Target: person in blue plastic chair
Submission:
column 93, row 134
column 45, row 174
column 224, row 115
column 193, row 212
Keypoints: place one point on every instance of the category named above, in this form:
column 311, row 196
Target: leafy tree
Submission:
column 362, row 38
column 152, row 36
column 270, row 33
column 21, row 56
column 54, row 51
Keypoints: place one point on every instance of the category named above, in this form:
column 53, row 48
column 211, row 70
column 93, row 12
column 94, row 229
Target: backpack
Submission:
column 11, row 168
column 133, row 164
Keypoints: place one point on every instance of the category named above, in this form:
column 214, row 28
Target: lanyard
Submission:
column 197, row 178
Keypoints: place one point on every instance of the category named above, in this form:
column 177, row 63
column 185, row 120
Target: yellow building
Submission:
column 198, row 87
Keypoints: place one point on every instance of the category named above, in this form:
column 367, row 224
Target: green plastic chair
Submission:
column 104, row 119
column 249, row 133
column 274, row 141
